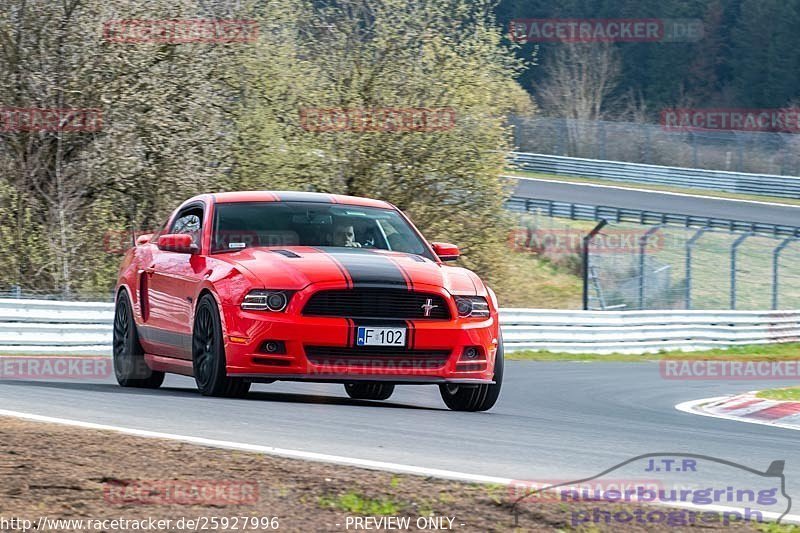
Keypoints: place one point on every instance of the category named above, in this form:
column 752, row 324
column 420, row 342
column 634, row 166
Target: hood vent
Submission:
column 287, row 253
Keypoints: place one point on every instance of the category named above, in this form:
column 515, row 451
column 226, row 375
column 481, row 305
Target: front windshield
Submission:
column 249, row 224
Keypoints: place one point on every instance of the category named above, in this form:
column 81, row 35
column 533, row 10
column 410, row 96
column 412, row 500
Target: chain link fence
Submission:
column 735, row 151
column 635, row 267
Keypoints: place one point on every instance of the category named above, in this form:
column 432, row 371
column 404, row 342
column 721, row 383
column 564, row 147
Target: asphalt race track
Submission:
column 553, row 420
column 619, row 196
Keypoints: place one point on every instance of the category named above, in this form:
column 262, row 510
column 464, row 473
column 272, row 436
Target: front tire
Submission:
column 208, row 354
column 369, row 391
column 130, row 368
column 476, row 397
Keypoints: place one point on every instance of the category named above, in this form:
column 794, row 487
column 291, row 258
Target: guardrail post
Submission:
column 739, row 151
column 689, row 247
column 776, row 256
column 642, row 245
column 585, row 260
column 602, row 139
column 734, row 248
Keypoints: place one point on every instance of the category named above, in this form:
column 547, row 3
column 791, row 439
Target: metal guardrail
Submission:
column 554, row 208
column 55, row 327
column 715, row 180
column 45, row 327
column 603, row 332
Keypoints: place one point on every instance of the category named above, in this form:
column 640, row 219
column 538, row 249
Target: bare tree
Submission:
column 579, row 85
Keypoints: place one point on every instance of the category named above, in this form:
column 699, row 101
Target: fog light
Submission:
column 472, row 359
column 273, row 347
column 471, row 353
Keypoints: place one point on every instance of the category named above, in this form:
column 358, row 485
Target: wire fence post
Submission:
column 776, row 256
column 585, row 260
column 642, row 246
column 734, row 248
column 689, row 247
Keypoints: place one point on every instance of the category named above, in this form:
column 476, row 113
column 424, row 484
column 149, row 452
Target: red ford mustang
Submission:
column 247, row 287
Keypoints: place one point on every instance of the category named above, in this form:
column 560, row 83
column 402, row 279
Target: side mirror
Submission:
column 446, row 251
column 143, row 239
column 177, row 242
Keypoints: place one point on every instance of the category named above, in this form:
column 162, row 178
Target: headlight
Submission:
column 472, row 306
column 262, row 300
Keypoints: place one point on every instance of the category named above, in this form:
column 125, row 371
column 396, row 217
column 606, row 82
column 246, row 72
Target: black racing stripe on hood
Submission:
column 368, row 268
column 345, row 275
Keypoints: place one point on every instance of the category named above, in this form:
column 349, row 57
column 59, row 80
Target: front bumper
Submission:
column 323, row 348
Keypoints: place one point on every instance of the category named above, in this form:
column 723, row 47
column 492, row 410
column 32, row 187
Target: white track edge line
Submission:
column 655, row 191
column 336, row 459
column 692, row 407
column 268, row 450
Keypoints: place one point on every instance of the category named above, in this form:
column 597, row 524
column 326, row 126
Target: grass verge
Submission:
column 534, row 281
column 767, row 352
column 789, row 393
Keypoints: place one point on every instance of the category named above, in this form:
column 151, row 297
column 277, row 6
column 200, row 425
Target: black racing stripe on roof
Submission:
column 368, row 268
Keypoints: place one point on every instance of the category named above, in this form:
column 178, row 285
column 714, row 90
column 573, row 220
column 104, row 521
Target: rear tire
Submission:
column 130, row 368
column 369, row 391
column 476, row 397
column 208, row 354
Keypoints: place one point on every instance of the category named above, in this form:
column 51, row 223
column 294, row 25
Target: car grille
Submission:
column 377, row 358
column 376, row 303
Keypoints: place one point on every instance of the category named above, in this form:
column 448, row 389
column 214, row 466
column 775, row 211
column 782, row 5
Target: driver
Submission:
column 345, row 235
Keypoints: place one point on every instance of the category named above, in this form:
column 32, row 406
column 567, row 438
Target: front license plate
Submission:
column 367, row 336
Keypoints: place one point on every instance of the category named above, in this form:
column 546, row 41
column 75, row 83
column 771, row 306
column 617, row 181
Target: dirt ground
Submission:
column 61, row 472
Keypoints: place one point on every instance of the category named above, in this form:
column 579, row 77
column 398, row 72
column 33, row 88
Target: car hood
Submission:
column 296, row 267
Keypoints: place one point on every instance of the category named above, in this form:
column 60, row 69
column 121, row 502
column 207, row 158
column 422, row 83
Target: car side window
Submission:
column 190, row 223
